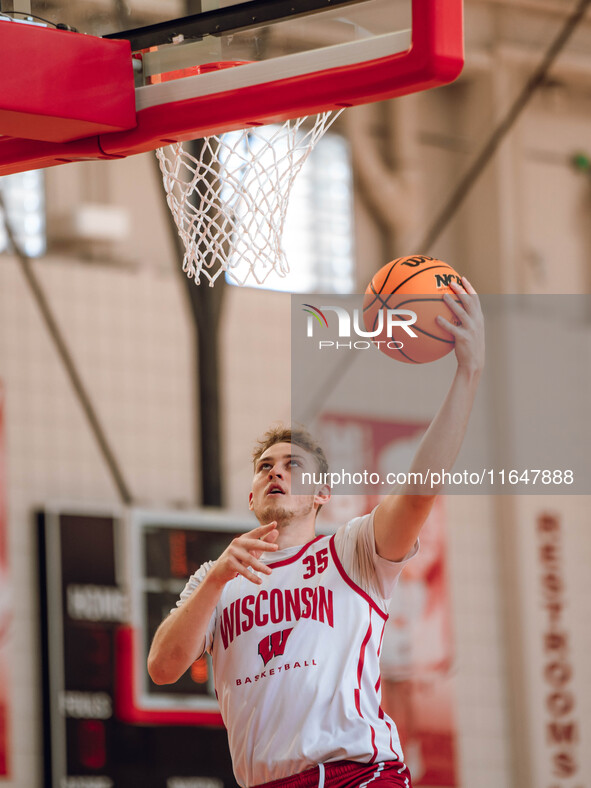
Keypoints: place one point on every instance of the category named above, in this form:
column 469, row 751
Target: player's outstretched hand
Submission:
column 469, row 334
column 243, row 553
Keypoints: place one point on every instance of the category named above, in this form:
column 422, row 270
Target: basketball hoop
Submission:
column 229, row 201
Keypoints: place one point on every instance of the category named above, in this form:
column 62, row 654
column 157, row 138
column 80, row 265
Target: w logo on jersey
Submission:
column 274, row 644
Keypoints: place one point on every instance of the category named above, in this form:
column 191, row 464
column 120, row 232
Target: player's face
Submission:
column 271, row 497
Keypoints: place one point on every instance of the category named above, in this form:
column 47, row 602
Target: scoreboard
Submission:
column 163, row 551
column 107, row 579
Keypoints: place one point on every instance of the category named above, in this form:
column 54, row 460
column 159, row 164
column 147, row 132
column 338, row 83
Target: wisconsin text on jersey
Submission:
column 276, row 606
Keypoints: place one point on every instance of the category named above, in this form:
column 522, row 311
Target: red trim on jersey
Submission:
column 382, row 716
column 352, row 584
column 381, row 638
column 362, row 653
column 379, row 681
column 295, row 557
column 360, row 664
column 373, row 744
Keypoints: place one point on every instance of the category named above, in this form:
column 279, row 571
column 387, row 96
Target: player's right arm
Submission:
column 180, row 638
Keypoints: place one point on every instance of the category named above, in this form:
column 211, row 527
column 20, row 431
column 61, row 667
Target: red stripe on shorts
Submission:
column 346, row 774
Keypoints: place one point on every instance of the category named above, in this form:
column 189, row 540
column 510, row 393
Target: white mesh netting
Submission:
column 229, row 195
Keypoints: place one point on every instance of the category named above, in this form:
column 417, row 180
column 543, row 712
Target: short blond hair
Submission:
column 298, row 437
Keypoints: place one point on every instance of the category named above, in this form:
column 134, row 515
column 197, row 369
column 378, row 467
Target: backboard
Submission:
column 230, row 64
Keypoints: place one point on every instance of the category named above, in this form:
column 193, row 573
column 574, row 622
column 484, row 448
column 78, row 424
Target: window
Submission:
column 318, row 233
column 24, row 199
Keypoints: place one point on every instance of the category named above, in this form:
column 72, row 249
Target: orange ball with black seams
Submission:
column 413, row 284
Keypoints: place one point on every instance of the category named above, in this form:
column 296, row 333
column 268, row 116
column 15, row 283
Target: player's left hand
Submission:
column 469, row 334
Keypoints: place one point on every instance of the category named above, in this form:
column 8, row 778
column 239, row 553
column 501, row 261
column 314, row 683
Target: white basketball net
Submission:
column 230, row 203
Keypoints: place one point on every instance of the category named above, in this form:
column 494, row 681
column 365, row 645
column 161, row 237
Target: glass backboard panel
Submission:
column 104, row 17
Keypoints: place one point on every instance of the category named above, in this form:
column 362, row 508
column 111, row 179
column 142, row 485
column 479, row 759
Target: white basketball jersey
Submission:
column 296, row 665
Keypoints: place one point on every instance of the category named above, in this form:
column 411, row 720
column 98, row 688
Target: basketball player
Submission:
column 294, row 622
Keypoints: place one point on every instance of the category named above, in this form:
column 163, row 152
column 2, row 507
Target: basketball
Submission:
column 417, row 284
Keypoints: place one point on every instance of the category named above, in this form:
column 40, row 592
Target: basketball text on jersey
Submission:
column 276, row 671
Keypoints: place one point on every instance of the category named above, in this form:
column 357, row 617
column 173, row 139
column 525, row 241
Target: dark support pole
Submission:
column 206, row 307
column 206, row 303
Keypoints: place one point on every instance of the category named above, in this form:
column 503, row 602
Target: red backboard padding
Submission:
column 435, row 58
column 59, row 86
